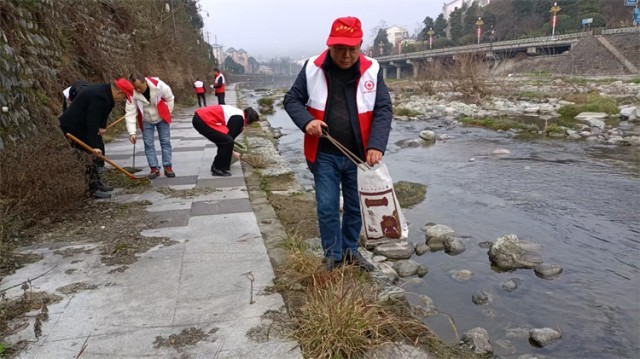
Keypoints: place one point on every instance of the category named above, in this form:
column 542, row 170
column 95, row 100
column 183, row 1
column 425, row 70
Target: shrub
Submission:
column 266, row 101
column 498, row 123
column 402, row 111
column 589, row 103
column 39, row 178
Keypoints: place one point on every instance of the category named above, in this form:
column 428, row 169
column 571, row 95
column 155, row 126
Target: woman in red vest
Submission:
column 221, row 124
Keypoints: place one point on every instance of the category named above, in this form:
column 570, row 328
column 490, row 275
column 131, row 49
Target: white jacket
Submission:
column 148, row 108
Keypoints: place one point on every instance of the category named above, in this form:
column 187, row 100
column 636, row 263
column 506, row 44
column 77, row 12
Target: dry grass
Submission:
column 255, row 160
column 39, row 177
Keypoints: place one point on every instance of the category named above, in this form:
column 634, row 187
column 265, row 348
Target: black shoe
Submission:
column 100, row 194
column 331, row 263
column 104, row 187
column 217, row 172
column 355, row 258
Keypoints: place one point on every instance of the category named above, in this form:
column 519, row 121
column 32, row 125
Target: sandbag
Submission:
column 381, row 213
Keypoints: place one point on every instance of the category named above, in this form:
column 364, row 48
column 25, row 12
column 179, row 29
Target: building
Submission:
column 448, row 8
column 239, row 56
column 395, row 34
column 216, row 49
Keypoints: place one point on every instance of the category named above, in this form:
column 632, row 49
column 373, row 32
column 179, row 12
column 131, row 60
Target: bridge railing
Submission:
column 499, row 44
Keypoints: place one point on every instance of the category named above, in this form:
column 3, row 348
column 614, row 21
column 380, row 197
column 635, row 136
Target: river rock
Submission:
column 438, row 233
column 422, row 248
column 507, row 254
column 379, row 259
column 397, row 350
column 477, row 339
column 544, row 336
column 388, row 271
column 547, row 271
column 462, row 275
column 422, row 270
column 409, row 193
column 481, row 297
column 453, row 246
column 627, row 112
column 424, row 308
column 593, row 119
column 511, row 285
column 409, row 143
column 500, row 151
column 390, row 292
column 428, row 135
column 406, row 267
column 531, row 356
column 395, row 250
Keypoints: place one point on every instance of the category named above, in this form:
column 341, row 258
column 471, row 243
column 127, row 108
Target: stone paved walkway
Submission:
column 201, row 282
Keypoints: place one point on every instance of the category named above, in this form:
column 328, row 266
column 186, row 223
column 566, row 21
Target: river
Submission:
column 580, row 202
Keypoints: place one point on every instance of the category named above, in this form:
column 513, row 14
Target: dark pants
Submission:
column 99, row 161
column 201, row 100
column 223, row 141
column 220, row 97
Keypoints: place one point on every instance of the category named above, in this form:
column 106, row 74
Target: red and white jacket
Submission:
column 199, row 87
column 319, row 92
column 217, row 116
column 219, row 81
column 158, row 109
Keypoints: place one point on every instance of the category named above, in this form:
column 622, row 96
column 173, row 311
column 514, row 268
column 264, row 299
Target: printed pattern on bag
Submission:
column 378, row 207
column 381, row 213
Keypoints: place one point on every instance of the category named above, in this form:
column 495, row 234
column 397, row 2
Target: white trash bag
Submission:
column 381, row 213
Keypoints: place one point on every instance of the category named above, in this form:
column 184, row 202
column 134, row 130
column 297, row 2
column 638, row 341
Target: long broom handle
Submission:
column 115, row 122
column 99, row 155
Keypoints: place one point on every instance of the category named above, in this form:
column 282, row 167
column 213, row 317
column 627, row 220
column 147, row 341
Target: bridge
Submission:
column 544, row 45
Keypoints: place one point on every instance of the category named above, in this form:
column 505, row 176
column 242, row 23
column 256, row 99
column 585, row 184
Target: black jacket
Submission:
column 87, row 113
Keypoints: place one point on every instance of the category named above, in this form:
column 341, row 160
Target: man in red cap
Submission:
column 342, row 93
column 84, row 117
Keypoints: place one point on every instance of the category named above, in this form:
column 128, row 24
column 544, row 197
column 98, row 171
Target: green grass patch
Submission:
column 635, row 81
column 498, row 123
column 532, row 94
column 554, row 129
column 402, row 111
column 266, row 101
column 588, row 103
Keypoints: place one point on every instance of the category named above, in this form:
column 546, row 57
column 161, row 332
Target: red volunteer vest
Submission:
column 217, row 116
column 221, row 88
column 199, row 86
column 318, row 91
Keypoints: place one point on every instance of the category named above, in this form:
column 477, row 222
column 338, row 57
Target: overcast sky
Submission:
column 296, row 28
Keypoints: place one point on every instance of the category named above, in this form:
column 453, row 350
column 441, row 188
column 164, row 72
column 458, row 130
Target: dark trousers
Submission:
column 201, row 100
column 220, row 97
column 99, row 161
column 223, row 141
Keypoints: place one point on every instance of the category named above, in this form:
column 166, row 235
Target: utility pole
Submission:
column 173, row 17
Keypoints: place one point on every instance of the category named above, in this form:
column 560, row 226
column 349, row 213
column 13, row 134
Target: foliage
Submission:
column 233, row 67
column 266, row 101
column 403, row 111
column 589, row 103
column 498, row 123
column 440, row 26
column 381, row 37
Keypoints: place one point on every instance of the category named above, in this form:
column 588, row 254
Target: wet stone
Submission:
column 481, row 297
column 511, row 285
column 547, row 271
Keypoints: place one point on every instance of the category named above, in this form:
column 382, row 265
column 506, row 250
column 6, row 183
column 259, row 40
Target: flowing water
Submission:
column 579, row 202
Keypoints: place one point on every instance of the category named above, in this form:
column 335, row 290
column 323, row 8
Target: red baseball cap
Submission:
column 345, row 31
column 125, row 86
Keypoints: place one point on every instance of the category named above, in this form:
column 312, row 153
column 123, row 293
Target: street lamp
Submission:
column 554, row 10
column 430, row 33
column 492, row 33
column 479, row 24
